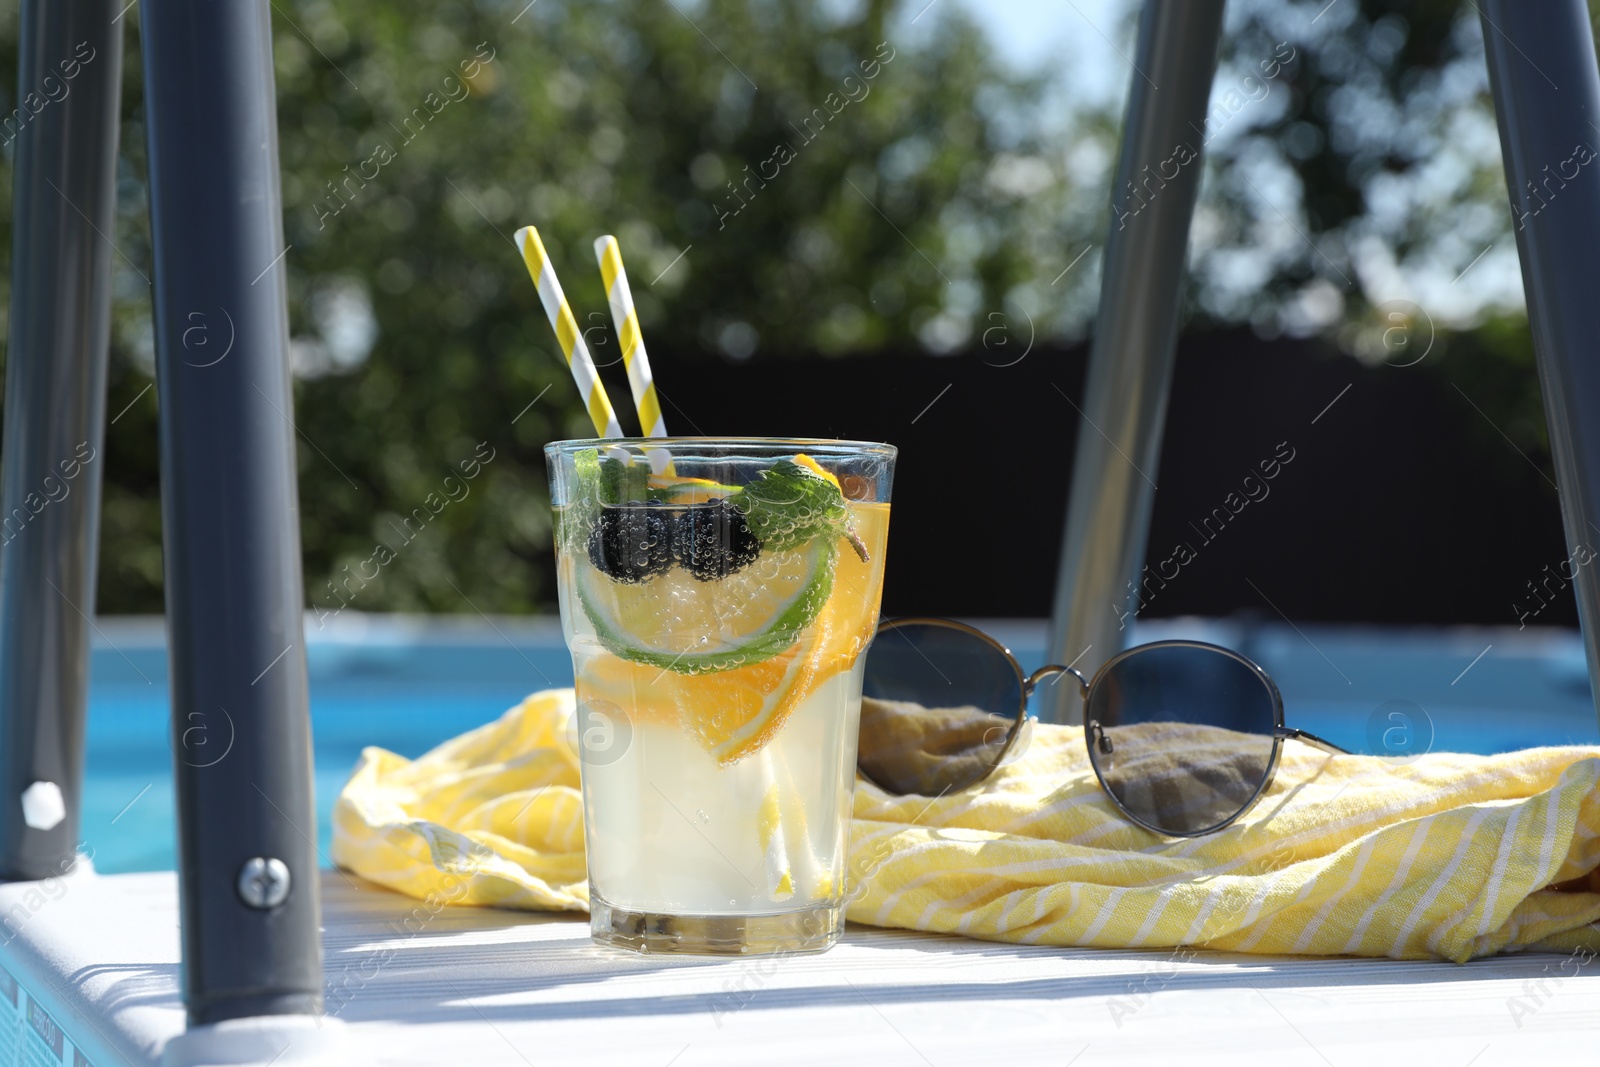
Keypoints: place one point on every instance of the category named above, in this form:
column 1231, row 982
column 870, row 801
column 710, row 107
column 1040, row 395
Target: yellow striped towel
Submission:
column 1448, row 856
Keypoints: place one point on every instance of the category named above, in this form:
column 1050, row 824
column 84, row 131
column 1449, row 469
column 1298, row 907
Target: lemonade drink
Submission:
column 717, row 613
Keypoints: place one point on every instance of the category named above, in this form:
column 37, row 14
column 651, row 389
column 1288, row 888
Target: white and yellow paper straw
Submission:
column 567, row 333
column 770, row 831
column 631, row 339
column 626, row 320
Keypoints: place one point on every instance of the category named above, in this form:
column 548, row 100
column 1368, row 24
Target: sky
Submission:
column 1081, row 36
column 1080, row 32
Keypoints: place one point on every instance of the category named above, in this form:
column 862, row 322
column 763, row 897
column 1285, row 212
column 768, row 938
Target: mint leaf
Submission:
column 600, row 483
column 622, row 482
column 789, row 505
column 587, row 465
column 584, row 506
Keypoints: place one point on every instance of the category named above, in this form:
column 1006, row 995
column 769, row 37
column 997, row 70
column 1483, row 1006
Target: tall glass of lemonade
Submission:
column 717, row 596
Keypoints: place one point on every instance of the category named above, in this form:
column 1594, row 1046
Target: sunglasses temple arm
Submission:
column 1288, row 732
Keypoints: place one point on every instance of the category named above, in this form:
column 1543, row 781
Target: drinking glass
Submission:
column 717, row 596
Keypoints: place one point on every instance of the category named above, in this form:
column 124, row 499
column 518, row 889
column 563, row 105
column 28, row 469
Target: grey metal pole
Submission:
column 1546, row 87
column 1130, row 361
column 241, row 732
column 64, row 136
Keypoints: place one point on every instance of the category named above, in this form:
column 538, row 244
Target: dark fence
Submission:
column 1290, row 476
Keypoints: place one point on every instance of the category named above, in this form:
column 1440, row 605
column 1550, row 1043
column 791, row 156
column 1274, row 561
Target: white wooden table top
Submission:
column 99, row 954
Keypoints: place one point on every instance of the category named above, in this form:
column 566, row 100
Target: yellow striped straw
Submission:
column 629, row 337
column 626, row 319
column 770, row 831
column 566, row 327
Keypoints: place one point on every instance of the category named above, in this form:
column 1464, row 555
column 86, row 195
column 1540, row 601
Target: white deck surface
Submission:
column 482, row 987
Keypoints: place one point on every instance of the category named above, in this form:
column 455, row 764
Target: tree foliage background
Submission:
column 416, row 135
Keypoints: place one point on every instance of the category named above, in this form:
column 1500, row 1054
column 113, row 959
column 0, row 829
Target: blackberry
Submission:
column 712, row 540
column 631, row 543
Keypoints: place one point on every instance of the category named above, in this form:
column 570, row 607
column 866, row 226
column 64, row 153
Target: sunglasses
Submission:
column 1184, row 736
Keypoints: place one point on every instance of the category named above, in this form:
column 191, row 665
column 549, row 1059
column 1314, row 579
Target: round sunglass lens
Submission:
column 938, row 710
column 1182, row 735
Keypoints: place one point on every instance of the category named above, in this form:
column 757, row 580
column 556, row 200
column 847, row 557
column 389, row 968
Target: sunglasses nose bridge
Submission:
column 1049, row 670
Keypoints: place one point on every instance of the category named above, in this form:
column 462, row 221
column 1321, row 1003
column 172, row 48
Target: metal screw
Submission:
column 264, row 882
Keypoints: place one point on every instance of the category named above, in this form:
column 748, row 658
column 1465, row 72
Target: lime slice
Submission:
column 687, row 626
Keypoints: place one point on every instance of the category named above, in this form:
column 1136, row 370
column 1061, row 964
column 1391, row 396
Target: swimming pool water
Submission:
column 406, row 684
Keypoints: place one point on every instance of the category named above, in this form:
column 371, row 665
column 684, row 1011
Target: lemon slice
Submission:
column 680, row 624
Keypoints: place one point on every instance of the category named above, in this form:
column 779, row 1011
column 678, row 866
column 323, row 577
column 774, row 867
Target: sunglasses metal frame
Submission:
column 1029, row 682
column 1025, row 683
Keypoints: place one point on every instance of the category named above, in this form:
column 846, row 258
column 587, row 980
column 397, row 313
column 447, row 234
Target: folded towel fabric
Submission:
column 1443, row 856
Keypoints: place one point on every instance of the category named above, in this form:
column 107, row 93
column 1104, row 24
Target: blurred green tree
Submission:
column 784, row 181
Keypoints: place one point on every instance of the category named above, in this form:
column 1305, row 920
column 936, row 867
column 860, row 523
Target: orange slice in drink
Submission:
column 731, row 713
column 735, row 712
column 816, row 468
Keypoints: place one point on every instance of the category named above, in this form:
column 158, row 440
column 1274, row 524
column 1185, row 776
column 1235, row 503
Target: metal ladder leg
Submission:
column 246, row 829
column 1136, row 332
column 64, row 135
column 1547, row 103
